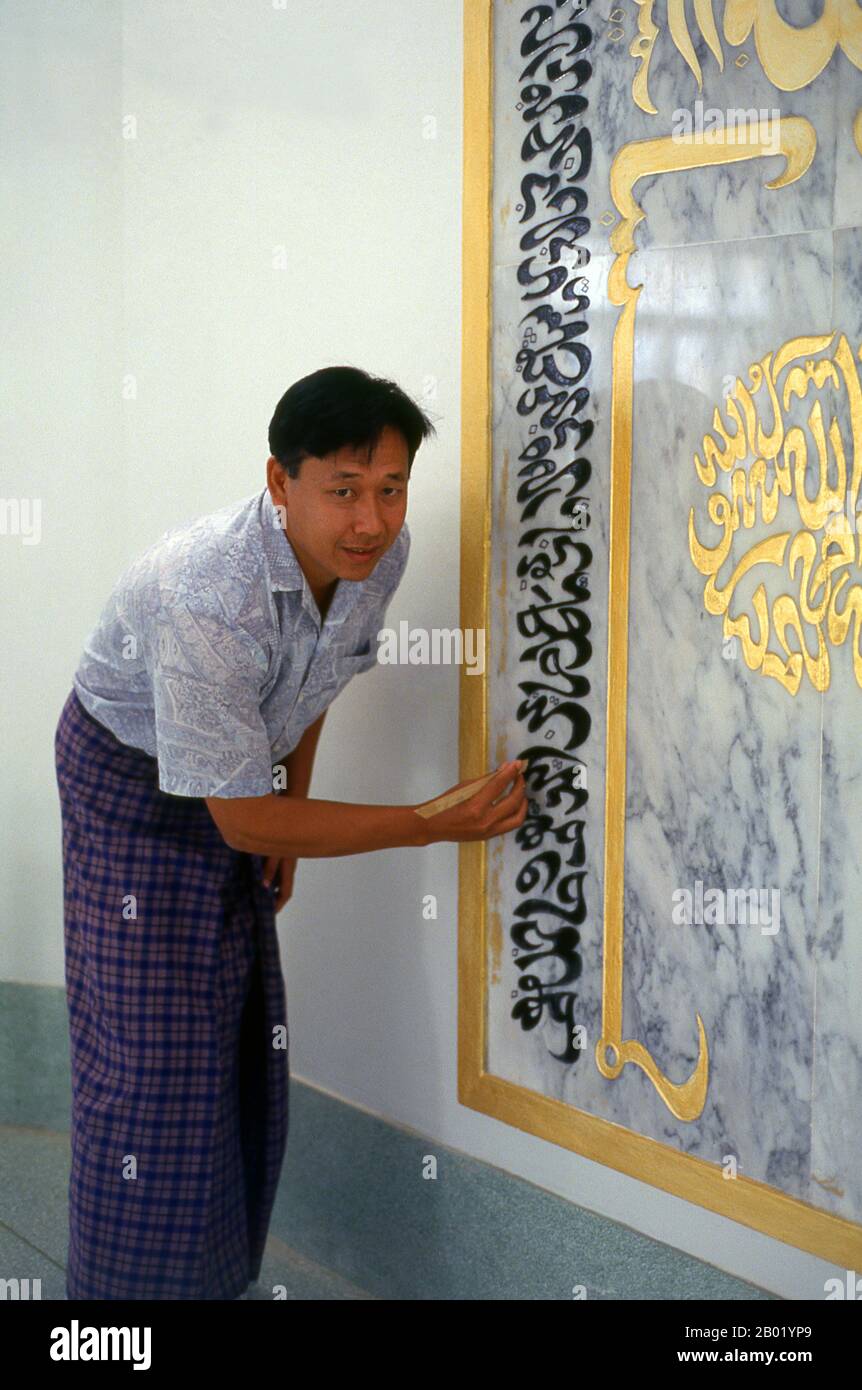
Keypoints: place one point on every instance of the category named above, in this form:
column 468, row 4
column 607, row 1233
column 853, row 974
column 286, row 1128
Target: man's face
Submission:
column 341, row 505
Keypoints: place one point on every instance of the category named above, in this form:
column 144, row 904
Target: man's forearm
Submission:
column 291, row 826
column 299, row 828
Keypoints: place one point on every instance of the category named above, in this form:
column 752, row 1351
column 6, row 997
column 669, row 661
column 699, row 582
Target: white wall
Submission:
column 153, row 259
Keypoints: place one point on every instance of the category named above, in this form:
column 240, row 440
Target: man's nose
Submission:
column 367, row 520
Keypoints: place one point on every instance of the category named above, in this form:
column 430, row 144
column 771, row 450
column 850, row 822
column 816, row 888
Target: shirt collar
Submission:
column 286, row 572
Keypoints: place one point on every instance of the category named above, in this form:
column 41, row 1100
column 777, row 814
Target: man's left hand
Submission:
column 279, row 872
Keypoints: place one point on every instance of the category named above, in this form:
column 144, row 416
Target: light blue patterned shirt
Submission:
column 209, row 654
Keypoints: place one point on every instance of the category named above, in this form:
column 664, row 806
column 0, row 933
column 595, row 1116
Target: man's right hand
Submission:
column 300, row 827
column 484, row 815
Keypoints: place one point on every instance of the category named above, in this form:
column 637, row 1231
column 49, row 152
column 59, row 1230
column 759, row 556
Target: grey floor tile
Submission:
column 353, row 1199
column 34, row 1187
column 21, row 1261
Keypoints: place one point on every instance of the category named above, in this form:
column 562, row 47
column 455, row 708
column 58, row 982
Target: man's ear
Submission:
column 280, row 478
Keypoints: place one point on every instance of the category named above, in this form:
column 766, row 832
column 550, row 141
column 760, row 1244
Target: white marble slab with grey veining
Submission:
column 730, row 779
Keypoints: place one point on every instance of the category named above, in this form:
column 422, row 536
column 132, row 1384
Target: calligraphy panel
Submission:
column 662, row 464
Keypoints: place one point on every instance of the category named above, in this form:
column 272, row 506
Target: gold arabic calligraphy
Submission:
column 790, row 56
column 829, row 539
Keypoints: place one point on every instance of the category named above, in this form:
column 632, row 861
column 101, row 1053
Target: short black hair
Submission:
column 339, row 406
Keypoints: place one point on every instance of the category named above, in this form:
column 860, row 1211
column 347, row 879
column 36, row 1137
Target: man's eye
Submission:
column 339, row 491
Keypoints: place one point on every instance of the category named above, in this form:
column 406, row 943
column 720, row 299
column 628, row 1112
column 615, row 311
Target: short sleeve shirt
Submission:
column 210, row 654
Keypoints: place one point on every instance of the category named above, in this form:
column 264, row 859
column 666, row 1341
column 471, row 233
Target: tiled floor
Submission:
column 390, row 1238
column 34, row 1173
column 354, row 1217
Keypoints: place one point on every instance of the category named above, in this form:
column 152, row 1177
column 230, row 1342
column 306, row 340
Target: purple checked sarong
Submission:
column 175, row 993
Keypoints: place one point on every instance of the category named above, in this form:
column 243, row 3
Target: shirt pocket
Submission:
column 344, row 667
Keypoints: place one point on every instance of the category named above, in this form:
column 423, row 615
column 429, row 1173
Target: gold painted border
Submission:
column 744, row 1200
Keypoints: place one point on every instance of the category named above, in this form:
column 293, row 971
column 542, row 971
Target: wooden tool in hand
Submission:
column 442, row 803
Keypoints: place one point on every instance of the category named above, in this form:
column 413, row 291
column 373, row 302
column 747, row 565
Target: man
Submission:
column 184, row 755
